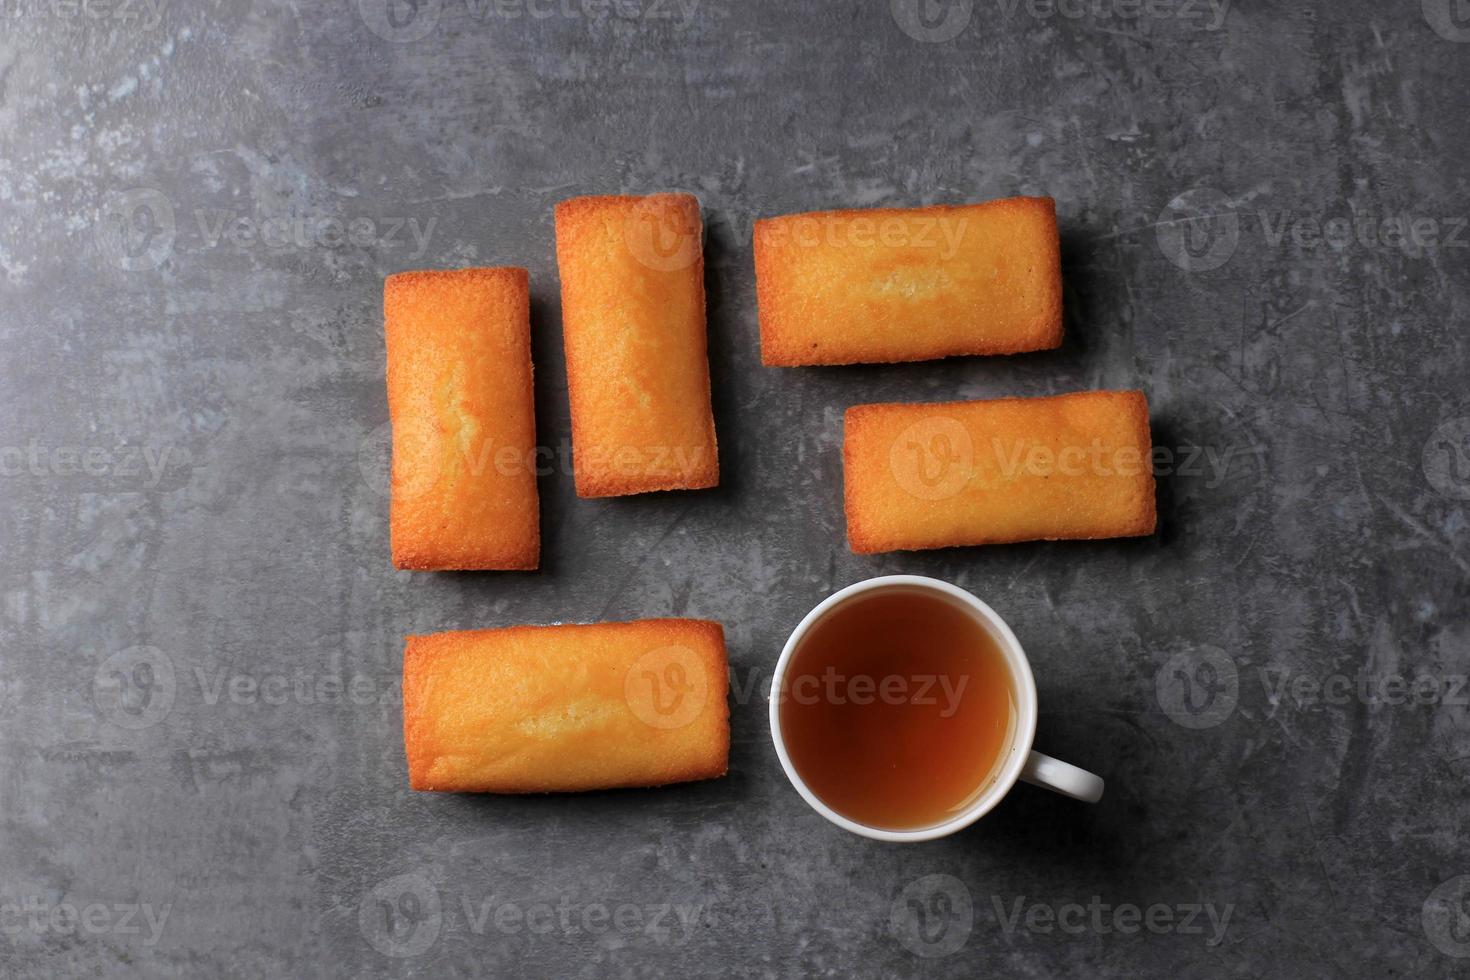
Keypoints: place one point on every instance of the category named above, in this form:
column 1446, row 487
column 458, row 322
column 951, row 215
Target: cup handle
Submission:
column 1062, row 777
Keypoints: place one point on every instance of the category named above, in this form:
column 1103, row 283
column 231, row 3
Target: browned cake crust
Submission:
column 632, row 286
column 539, row 709
column 909, row 284
column 988, row 472
column 464, row 427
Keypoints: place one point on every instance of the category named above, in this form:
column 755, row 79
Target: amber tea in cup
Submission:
column 898, row 708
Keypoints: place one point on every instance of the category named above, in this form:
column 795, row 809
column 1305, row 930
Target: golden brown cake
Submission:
column 988, row 472
column 539, row 709
column 464, row 426
column 632, row 288
column 843, row 287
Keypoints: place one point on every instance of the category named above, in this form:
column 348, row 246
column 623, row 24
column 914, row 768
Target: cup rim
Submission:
column 1026, row 709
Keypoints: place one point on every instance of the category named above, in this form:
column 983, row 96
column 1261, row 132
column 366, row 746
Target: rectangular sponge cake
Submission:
column 844, row 287
column 464, row 426
column 987, row 472
column 632, row 289
column 540, row 709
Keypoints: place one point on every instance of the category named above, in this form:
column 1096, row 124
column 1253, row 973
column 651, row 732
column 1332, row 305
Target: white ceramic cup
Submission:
column 1019, row 761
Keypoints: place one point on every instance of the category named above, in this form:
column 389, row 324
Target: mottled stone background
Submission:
column 1264, row 224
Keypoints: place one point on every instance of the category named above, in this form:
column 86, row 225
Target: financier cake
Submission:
column 464, row 428
column 540, row 709
column 987, row 472
column 843, row 287
column 632, row 289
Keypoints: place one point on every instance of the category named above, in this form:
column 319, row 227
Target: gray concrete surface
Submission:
column 1264, row 222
